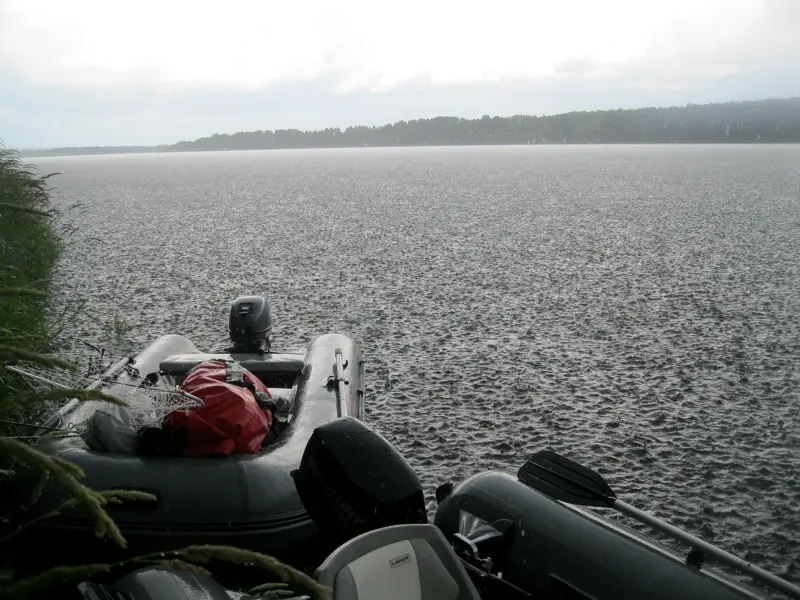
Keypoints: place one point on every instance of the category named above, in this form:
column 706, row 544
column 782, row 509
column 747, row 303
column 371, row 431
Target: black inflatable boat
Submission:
column 526, row 532
column 246, row 500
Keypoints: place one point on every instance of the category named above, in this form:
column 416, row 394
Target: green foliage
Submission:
column 18, row 292
column 29, row 247
column 297, row 580
column 24, row 589
column 12, row 354
column 117, row 329
column 66, row 474
column 21, row 208
column 109, row 496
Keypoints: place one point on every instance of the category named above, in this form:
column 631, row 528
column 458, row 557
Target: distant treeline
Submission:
column 83, row 150
column 762, row 121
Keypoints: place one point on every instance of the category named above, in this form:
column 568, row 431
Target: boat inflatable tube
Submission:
column 555, row 551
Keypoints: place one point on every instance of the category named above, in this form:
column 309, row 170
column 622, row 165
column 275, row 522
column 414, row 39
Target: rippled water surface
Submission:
column 636, row 308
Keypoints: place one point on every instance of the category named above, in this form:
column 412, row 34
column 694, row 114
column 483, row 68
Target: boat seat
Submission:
column 274, row 370
column 400, row 562
column 181, row 364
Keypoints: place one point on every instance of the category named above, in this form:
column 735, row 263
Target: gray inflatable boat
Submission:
column 246, row 500
column 526, row 537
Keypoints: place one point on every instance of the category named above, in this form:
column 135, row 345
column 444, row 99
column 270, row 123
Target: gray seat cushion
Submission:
column 181, row 364
column 401, row 562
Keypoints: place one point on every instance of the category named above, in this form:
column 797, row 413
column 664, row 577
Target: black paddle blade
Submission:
column 565, row 480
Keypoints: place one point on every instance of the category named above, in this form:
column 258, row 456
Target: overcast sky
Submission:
column 107, row 72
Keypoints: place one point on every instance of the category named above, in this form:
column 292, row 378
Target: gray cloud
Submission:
column 685, row 63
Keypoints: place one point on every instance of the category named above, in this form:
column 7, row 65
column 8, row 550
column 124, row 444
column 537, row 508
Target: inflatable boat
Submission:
column 246, row 500
column 527, row 533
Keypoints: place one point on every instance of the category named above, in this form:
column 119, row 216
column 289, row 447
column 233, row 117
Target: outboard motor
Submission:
column 356, row 486
column 351, row 480
column 158, row 582
column 250, row 324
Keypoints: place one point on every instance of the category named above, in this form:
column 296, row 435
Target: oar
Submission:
column 566, row 480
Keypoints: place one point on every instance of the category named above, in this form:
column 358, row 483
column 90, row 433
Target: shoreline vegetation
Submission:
column 755, row 122
column 29, row 247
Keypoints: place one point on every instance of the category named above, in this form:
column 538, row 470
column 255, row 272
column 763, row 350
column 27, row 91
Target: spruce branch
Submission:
column 12, row 354
column 298, row 580
column 18, row 291
column 26, row 589
column 66, row 474
column 111, row 496
column 24, row 209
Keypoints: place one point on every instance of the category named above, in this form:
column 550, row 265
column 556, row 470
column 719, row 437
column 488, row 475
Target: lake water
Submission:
column 636, row 308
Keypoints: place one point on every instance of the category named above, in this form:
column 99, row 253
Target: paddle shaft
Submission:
column 706, row 548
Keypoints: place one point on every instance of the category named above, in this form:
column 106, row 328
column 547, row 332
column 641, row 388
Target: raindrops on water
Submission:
column 634, row 308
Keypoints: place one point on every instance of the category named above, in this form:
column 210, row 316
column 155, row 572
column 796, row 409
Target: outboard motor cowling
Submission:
column 351, row 480
column 250, row 324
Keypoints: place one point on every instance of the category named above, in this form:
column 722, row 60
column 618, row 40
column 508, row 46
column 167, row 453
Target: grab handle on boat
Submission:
column 338, row 378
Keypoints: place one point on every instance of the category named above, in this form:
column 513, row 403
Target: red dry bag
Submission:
column 230, row 421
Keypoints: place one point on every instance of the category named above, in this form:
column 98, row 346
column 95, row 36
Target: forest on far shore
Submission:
column 761, row 121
